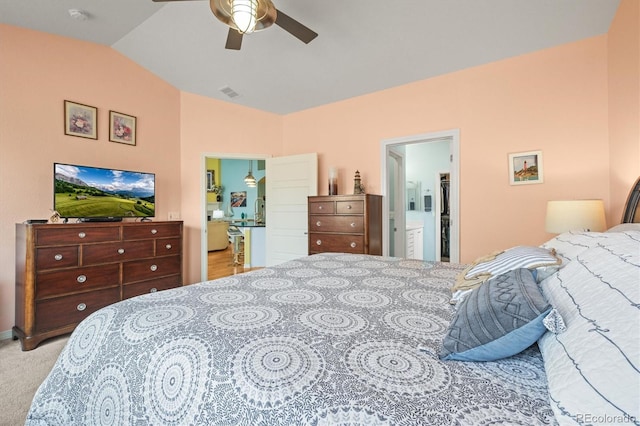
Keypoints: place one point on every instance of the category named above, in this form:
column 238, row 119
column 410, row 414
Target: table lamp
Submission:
column 575, row 215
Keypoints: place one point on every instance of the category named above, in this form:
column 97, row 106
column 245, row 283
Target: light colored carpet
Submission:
column 21, row 373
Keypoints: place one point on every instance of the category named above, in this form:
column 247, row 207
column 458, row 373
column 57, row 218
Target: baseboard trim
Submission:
column 5, row 335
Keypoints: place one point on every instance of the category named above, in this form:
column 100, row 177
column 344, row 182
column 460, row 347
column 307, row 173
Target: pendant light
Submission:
column 249, row 179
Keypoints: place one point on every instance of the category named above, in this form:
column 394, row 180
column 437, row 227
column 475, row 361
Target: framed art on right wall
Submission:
column 525, row 168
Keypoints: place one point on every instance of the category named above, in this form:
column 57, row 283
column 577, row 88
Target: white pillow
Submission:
column 592, row 368
column 569, row 245
column 625, row 227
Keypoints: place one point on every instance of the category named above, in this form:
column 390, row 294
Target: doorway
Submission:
column 412, row 190
column 223, row 179
column 291, row 179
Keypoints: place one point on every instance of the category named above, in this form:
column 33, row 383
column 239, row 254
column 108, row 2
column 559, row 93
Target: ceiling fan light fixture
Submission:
column 245, row 16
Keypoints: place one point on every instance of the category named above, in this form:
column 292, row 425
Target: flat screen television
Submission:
column 95, row 193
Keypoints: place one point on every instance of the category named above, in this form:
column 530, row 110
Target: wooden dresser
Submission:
column 64, row 272
column 345, row 224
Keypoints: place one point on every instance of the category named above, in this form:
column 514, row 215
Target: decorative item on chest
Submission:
column 358, row 187
column 333, row 181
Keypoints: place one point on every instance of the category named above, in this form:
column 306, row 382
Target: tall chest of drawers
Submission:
column 64, row 272
column 345, row 224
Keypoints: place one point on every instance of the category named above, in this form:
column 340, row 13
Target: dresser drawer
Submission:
column 168, row 246
column 350, row 207
column 64, row 272
column 147, row 269
column 116, row 252
column 56, row 257
column 77, row 235
column 321, row 207
column 152, row 230
column 345, row 224
column 319, row 243
column 50, row 284
column 151, row 286
column 68, row 310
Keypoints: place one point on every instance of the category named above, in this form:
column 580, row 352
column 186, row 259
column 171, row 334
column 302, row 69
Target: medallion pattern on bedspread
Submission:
column 328, row 339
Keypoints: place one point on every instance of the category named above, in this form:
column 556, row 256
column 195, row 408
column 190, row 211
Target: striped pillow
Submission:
column 529, row 257
column 514, row 258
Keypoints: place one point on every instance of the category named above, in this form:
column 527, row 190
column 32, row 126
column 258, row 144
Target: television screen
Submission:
column 92, row 192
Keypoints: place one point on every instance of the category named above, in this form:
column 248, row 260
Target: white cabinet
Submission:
column 415, row 243
column 254, row 246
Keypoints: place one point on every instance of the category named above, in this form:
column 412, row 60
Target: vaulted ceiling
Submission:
column 363, row 45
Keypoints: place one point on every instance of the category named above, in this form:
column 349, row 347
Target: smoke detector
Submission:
column 78, row 15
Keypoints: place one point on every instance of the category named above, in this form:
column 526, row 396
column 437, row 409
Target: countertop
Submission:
column 246, row 224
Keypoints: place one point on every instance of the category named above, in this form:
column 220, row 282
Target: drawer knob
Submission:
column 154, row 231
column 353, row 245
column 58, row 257
column 319, row 242
column 319, row 207
column 318, row 223
column 81, row 278
column 120, row 251
column 168, row 246
column 82, row 235
column 154, row 268
column 349, row 207
column 153, row 290
column 81, row 306
column 353, row 224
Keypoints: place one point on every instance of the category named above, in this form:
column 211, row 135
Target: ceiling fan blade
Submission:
column 234, row 40
column 295, row 28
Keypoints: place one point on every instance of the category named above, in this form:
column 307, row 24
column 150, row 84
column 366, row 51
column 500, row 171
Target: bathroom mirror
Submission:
column 414, row 195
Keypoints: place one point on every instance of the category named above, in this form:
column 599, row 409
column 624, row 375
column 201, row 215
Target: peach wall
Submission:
column 553, row 100
column 212, row 126
column 624, row 102
column 37, row 73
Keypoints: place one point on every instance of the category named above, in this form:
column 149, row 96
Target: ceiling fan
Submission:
column 247, row 16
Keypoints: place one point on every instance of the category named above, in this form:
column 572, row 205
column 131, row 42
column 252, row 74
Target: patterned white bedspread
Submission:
column 322, row 340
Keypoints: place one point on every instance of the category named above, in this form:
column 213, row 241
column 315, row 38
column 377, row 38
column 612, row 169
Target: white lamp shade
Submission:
column 575, row 215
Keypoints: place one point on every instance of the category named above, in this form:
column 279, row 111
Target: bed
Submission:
column 338, row 338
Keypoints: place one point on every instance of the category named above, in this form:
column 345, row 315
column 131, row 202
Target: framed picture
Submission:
column 211, row 180
column 525, row 168
column 122, row 128
column 80, row 120
column 239, row 199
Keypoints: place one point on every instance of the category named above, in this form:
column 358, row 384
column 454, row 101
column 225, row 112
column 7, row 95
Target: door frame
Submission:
column 454, row 136
column 204, row 253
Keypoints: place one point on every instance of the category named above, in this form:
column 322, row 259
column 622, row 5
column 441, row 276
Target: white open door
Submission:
column 290, row 180
column 396, row 188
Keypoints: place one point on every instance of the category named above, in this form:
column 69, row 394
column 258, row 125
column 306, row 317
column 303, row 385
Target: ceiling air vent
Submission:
column 229, row 92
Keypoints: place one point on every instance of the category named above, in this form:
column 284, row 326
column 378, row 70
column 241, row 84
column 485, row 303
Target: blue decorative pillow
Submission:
column 501, row 318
